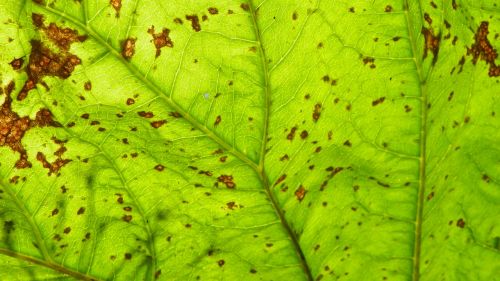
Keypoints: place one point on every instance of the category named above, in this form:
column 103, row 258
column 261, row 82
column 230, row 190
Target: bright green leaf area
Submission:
column 259, row 140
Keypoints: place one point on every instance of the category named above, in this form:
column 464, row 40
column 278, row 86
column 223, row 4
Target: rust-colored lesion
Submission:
column 161, row 39
column 13, row 127
column 117, row 5
column 128, row 48
column 57, row 164
column 482, row 49
column 431, row 43
column 45, row 62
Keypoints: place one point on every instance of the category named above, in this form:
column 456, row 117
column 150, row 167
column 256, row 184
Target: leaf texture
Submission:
column 258, row 140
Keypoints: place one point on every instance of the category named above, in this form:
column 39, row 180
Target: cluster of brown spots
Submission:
column 370, row 61
column 431, row 43
column 57, row 164
column 161, row 39
column 291, row 135
column 117, row 5
column 461, row 223
column 316, row 112
column 128, row 48
column 13, row 127
column 17, row 63
column 245, row 7
column 217, row 120
column 195, row 22
column 483, row 50
column 300, row 193
column 280, row 179
column 158, row 124
column 227, row 180
column 378, row 101
column 44, row 62
column 213, row 11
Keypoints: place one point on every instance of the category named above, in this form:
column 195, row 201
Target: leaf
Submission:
column 260, row 140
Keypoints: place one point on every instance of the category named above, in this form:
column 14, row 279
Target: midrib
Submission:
column 422, row 153
column 257, row 167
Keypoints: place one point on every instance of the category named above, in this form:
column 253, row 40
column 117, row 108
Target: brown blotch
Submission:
column 195, row 22
column 59, row 162
column 245, row 7
column 62, row 37
column 87, row 86
column 128, row 48
column 117, row 5
column 316, row 112
column 217, row 121
column 483, row 50
column 378, row 101
column 17, row 63
column 161, row 39
column 43, row 62
column 158, row 124
column 431, row 43
column 300, row 193
column 227, row 180
column 213, row 11
column 13, row 127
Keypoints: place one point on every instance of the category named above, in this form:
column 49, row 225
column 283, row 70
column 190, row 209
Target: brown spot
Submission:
column 175, row 114
column 55, row 212
column 67, row 230
column 157, row 274
column 145, row 114
column 231, row 205
column 128, row 48
column 177, row 21
column 431, row 43
column 158, row 124
column 87, row 86
column 291, row 135
column 427, row 18
column 195, row 22
column 221, row 263
column 17, row 63
column 213, row 11
column 43, row 62
column 161, row 39
column 348, row 143
column 486, row 178
column 85, row 116
column 461, row 223
column 223, row 159
column 128, row 256
column 300, row 193
column 127, row 218
column 483, row 50
column 369, row 61
column 117, row 5
column 217, row 121
column 407, row 108
column 295, row 16
column 378, row 101
column 159, row 167
column 316, row 112
column 284, row 157
column 245, row 7
column 351, row 10
column 304, row 134
column 227, row 180
column 81, row 211
column 130, row 101
column 433, row 5
column 388, row 9
column 127, row 209
column 454, row 4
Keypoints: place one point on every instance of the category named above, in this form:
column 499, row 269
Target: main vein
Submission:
column 423, row 146
column 261, row 166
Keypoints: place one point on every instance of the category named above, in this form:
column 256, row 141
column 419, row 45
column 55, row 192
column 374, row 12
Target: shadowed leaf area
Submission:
column 285, row 140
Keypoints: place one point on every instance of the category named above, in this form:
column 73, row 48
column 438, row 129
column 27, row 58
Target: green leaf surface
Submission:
column 259, row 140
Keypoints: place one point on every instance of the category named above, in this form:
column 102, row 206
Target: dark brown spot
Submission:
column 67, row 230
column 427, row 18
column 128, row 48
column 245, row 7
column 159, row 168
column 291, row 135
column 130, row 101
column 217, row 120
column 55, row 212
column 280, row 179
column 58, row 163
column 304, row 134
column 388, row 9
column 81, row 211
column 175, row 114
column 161, row 39
column 378, row 101
column 316, row 112
column 17, row 63
column 145, row 114
column 295, row 16
column 127, row 218
column 87, row 86
column 461, row 223
column 128, row 256
column 221, row 263
column 348, row 143
column 454, row 4
column 195, row 22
